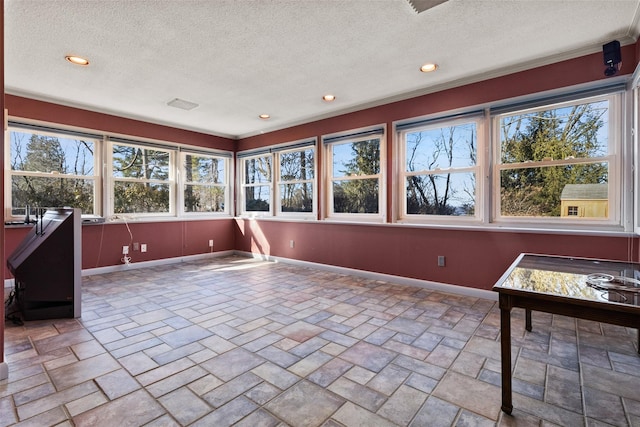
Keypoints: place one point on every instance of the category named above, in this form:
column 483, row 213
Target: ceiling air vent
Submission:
column 421, row 5
column 182, row 104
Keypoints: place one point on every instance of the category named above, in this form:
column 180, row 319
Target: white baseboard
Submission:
column 9, row 283
column 426, row 284
column 145, row 264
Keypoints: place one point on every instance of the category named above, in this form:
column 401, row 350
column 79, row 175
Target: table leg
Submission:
column 505, row 352
column 527, row 319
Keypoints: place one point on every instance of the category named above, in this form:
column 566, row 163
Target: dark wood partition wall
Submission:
column 473, row 258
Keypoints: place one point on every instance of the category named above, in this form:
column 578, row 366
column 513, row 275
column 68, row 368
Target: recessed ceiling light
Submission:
column 77, row 60
column 264, row 116
column 329, row 98
column 427, row 68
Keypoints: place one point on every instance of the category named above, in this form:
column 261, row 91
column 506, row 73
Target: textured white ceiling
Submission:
column 241, row 58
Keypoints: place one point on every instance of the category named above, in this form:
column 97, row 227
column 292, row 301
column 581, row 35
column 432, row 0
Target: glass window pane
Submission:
column 140, row 197
column 296, row 197
column 446, row 147
column 257, row 198
column 41, row 153
column 541, row 192
column 51, row 192
column 356, row 158
column 575, row 131
column 296, row 165
column 257, row 170
column 204, row 198
column 204, row 169
column 138, row 162
column 441, row 194
column 356, row 196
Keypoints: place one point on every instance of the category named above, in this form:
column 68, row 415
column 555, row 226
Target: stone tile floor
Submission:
column 235, row 341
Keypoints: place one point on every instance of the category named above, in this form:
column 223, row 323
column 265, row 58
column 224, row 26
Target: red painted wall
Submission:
column 102, row 243
column 580, row 70
column 475, row 259
column 20, row 107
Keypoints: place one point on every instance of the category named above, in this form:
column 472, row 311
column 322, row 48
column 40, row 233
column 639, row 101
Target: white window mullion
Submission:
column 447, row 151
column 342, row 148
column 569, row 151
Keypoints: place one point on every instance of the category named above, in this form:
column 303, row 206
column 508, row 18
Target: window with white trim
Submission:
column 296, row 178
column 205, row 181
column 355, row 170
column 53, row 167
column 280, row 181
column 50, row 169
column 567, row 151
column 142, row 179
column 256, row 184
column 439, row 169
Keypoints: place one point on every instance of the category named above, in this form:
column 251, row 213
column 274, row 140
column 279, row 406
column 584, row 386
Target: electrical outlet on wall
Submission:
column 143, row 247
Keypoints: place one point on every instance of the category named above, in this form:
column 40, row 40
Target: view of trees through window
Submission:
column 204, row 183
column 356, row 180
column 257, row 184
column 553, row 161
column 141, row 179
column 440, row 170
column 543, row 151
column 50, row 171
column 296, row 180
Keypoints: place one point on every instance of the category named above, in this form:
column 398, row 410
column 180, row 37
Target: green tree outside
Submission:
column 145, row 188
column 204, row 189
column 296, row 181
column 55, row 157
column 566, row 139
column 356, row 195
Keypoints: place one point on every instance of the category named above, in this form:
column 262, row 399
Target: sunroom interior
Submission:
column 306, row 134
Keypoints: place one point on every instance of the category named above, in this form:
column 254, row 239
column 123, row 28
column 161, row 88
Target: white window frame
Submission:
column 279, row 182
column 9, row 173
column 616, row 172
column 273, row 153
column 182, row 183
column 329, row 141
column 111, row 180
column 634, row 106
column 478, row 118
column 242, row 185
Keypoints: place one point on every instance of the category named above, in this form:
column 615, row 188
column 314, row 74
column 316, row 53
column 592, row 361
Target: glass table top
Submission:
column 587, row 279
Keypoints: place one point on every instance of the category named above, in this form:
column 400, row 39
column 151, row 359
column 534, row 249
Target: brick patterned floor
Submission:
column 235, row 341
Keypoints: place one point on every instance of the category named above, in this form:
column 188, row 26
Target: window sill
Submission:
column 121, row 219
column 497, row 228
